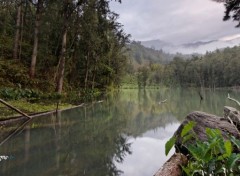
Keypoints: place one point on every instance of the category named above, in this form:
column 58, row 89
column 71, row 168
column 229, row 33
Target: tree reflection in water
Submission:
column 92, row 139
column 83, row 141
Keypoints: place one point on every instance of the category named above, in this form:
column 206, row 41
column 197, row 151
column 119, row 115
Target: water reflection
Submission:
column 148, row 153
column 124, row 135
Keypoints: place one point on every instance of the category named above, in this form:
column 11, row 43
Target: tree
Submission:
column 232, row 10
column 17, row 31
column 39, row 8
column 143, row 76
column 61, row 67
column 80, row 46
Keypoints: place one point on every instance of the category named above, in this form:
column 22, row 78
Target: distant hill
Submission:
column 141, row 55
column 198, row 47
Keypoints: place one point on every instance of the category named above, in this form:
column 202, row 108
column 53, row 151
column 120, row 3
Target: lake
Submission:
column 123, row 135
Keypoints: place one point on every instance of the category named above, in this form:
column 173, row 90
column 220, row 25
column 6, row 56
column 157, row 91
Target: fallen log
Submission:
column 202, row 121
column 173, row 166
column 15, row 109
column 19, row 119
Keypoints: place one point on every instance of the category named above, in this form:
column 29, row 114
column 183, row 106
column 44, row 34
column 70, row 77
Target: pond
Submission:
column 123, row 135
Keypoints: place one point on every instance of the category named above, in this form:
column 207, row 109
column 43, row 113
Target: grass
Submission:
column 29, row 107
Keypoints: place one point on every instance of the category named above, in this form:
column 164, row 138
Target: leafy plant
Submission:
column 170, row 143
column 215, row 156
column 18, row 93
column 184, row 134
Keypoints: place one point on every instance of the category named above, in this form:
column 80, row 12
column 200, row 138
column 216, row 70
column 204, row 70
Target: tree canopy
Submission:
column 232, row 10
column 78, row 43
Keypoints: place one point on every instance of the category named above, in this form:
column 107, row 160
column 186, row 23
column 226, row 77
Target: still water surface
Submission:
column 124, row 135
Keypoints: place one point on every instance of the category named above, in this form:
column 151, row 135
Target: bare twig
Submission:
column 238, row 103
column 164, row 101
column 13, row 108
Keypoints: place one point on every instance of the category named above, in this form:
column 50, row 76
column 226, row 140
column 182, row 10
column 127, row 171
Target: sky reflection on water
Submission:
column 130, row 127
column 148, row 152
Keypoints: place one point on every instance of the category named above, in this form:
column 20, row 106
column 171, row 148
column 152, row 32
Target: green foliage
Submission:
column 185, row 134
column 140, row 55
column 17, row 93
column 214, row 69
column 12, row 72
column 94, row 51
column 232, row 11
column 170, row 143
column 89, row 94
column 187, row 128
column 214, row 156
column 142, row 76
column 6, row 47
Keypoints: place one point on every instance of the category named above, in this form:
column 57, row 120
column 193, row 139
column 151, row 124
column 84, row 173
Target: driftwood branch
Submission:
column 13, row 108
column 238, row 103
column 164, row 101
column 200, row 95
column 233, row 115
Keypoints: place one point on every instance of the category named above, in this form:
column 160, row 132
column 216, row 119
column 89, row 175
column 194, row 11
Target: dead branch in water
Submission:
column 15, row 109
column 238, row 103
column 19, row 129
column 200, row 95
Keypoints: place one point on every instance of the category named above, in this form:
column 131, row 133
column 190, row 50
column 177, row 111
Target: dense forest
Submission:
column 79, row 45
column 140, row 55
column 60, row 45
column 212, row 70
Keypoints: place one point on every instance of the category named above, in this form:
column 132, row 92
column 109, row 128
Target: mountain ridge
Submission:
column 197, row 47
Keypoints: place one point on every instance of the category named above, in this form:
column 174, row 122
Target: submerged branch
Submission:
column 15, row 131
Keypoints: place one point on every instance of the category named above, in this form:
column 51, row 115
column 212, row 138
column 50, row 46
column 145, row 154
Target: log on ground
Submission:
column 173, row 166
column 227, row 125
column 203, row 121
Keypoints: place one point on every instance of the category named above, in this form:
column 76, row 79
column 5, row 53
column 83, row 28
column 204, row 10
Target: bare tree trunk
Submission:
column 35, row 44
column 61, row 66
column 94, row 76
column 21, row 37
column 17, row 34
column 93, row 81
column 86, row 73
column 61, row 69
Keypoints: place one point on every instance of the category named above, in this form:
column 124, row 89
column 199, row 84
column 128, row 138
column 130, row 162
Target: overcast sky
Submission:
column 175, row 21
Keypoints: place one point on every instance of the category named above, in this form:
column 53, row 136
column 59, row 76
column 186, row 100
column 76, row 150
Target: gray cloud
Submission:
column 176, row 21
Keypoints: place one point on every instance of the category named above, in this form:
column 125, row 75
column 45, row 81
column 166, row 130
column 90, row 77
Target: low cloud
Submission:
column 173, row 20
